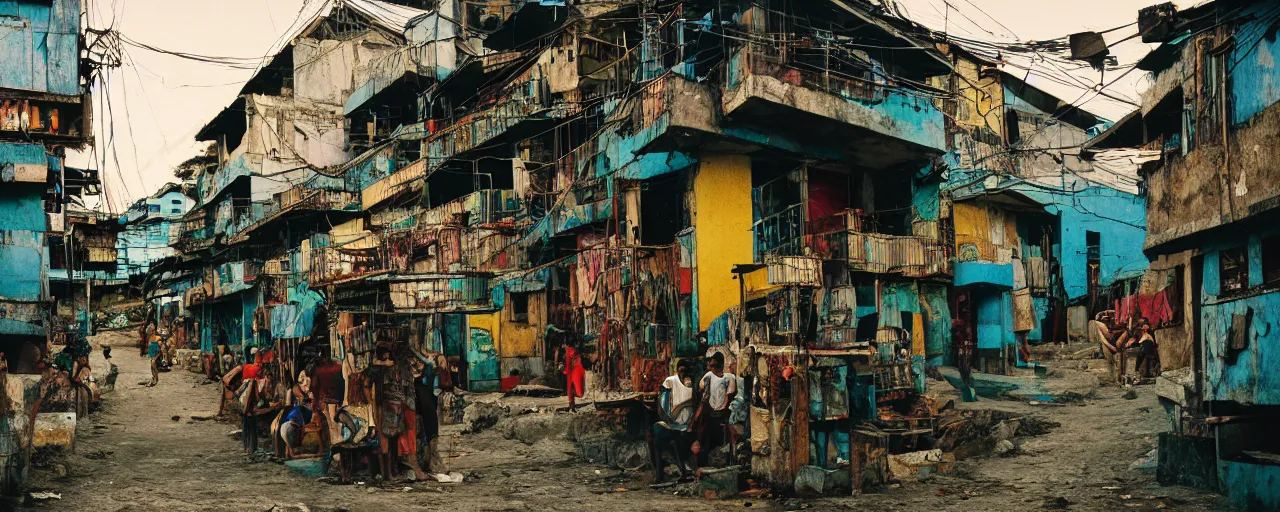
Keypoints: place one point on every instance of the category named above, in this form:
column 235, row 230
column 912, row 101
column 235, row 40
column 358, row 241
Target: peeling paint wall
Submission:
column 40, row 41
column 1246, row 375
column 1177, row 342
column 1202, row 190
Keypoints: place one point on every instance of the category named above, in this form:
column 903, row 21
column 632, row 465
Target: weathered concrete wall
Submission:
column 901, row 116
column 1208, row 188
column 325, row 70
column 1177, row 342
column 521, row 339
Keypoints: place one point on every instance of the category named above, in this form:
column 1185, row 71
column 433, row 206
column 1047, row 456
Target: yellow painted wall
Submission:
column 488, row 321
column 980, row 99
column 971, row 220
column 722, row 222
column 522, row 339
column 973, row 223
column 758, row 284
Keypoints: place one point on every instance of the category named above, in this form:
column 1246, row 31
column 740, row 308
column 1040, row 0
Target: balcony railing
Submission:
column 913, row 256
column 786, row 61
column 848, row 237
column 332, row 264
column 518, row 104
column 480, row 207
column 262, row 212
column 872, row 100
column 440, row 293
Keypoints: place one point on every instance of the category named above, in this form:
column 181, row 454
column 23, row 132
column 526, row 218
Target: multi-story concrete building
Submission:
column 1212, row 200
column 43, row 112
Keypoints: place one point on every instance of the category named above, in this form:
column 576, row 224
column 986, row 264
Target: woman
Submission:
column 155, row 353
column 574, row 374
column 397, row 421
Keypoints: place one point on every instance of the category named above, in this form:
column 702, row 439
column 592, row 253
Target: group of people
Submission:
column 387, row 413
column 1117, row 338
column 694, row 417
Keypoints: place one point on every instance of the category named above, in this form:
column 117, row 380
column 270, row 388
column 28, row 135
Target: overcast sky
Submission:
column 158, row 102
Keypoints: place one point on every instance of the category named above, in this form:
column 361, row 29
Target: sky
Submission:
column 148, row 111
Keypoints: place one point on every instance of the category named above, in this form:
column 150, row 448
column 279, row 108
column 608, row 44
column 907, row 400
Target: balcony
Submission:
column 233, row 277
column 332, row 264
column 849, row 237
column 773, row 86
column 437, row 293
column 237, row 167
column 910, row 256
column 672, row 113
column 517, row 107
column 298, row 199
column 480, row 207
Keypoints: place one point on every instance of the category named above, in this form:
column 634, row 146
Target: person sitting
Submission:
column 1147, row 365
column 1110, row 339
column 671, row 432
column 292, row 427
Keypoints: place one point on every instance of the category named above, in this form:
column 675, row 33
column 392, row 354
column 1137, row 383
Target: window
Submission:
column 175, row 201
column 1233, row 270
column 153, row 208
column 175, row 210
column 1093, row 246
column 1271, row 260
column 520, row 308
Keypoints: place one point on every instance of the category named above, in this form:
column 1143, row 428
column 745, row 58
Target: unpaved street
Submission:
column 133, row 455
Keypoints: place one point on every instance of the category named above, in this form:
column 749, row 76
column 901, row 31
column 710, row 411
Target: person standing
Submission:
column 425, row 392
column 575, row 375
column 327, row 388
column 154, row 352
column 113, row 372
column 718, row 391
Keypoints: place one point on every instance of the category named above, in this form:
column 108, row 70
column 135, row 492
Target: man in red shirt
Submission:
column 327, row 389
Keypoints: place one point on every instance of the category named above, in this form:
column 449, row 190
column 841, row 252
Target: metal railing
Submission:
column 791, row 61
column 850, row 239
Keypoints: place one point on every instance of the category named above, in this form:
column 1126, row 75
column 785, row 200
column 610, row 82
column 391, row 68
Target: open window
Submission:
column 1093, row 247
column 1233, row 270
column 520, row 308
column 1271, row 260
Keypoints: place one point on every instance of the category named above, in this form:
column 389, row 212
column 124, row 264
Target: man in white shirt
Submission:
column 676, row 405
column 718, row 391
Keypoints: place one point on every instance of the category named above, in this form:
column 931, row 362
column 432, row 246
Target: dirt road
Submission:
column 133, row 455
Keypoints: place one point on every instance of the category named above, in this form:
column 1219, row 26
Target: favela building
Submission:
column 837, row 206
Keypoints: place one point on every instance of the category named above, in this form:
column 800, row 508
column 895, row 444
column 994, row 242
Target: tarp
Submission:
column 292, row 321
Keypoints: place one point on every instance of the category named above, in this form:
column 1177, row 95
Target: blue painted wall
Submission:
column 1250, row 376
column 40, row 42
column 1255, row 80
column 1120, row 220
column 1250, row 486
column 24, row 255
